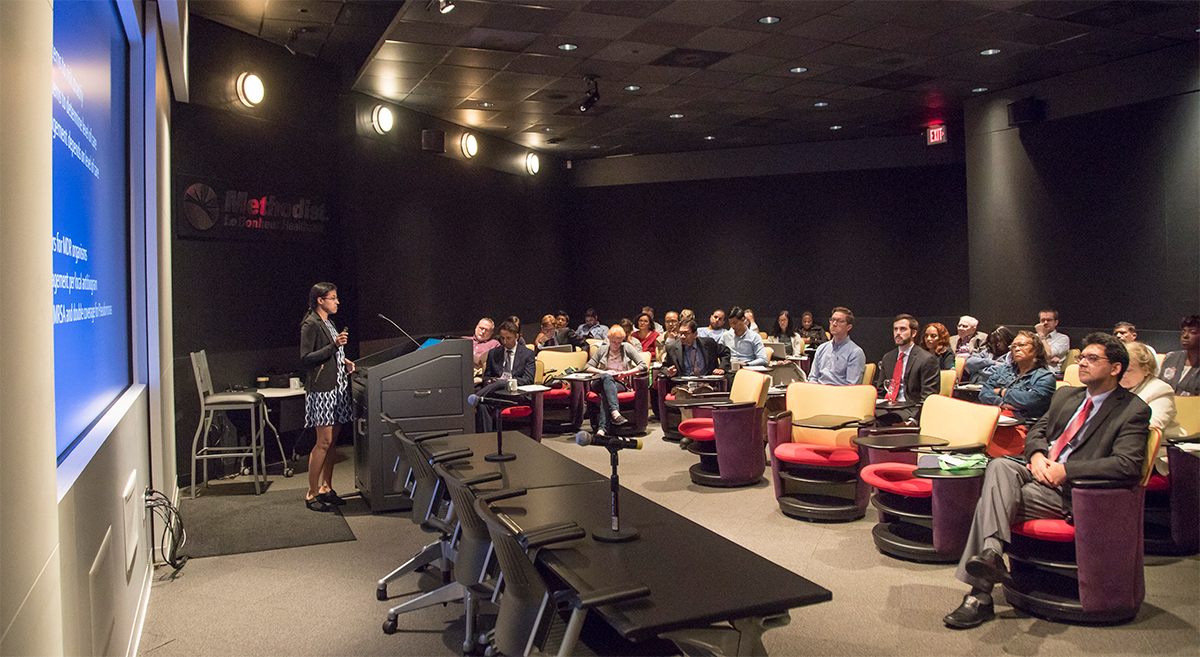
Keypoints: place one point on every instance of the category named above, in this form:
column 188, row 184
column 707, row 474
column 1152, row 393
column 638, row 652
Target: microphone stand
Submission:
column 499, row 455
column 616, row 533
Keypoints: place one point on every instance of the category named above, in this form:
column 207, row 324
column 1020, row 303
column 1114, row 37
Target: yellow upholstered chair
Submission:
column 959, row 363
column 730, row 443
column 1071, row 375
column 1070, row 358
column 555, row 363
column 868, row 374
column 948, row 379
column 763, row 334
column 1187, row 414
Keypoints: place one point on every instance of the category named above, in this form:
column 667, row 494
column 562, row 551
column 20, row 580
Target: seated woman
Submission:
column 785, row 331
column 937, row 342
column 646, row 336
column 1181, row 369
column 616, row 359
column 981, row 364
column 1022, row 389
column 627, row 325
column 1141, row 379
column 812, row 332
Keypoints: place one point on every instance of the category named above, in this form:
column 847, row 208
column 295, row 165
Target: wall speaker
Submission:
column 433, row 141
column 1026, row 110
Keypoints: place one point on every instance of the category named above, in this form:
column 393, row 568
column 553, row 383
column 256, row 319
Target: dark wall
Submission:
column 1096, row 215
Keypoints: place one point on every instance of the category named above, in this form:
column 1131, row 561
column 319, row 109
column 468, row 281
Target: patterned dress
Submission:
column 333, row 407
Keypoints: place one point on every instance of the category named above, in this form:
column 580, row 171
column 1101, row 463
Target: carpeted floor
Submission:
column 219, row 524
column 320, row 600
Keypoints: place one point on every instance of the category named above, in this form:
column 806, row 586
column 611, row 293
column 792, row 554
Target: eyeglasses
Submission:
column 329, row 298
column 1092, row 359
column 1020, row 345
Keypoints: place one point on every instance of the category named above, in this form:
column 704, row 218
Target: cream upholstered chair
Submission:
column 947, row 383
column 1071, row 375
column 553, row 364
column 868, row 374
column 959, row 363
column 730, row 442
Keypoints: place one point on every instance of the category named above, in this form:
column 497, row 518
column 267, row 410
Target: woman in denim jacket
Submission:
column 1022, row 389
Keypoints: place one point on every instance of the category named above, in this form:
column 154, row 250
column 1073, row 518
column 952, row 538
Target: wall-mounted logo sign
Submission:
column 216, row 211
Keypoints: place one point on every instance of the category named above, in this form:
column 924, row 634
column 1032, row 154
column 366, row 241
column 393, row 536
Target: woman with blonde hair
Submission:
column 1141, row 378
column 615, row 361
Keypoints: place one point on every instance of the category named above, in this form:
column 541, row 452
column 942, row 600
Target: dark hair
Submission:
column 647, row 316
column 317, row 292
column 626, row 325
column 1051, row 311
column 563, row 314
column 943, row 336
column 1131, row 327
column 846, row 311
column 649, row 310
column 1040, row 357
column 784, row 332
column 1191, row 321
column 912, row 321
column 590, row 312
column 737, row 312
column 1114, row 349
column 690, row 324
column 514, row 319
column 510, row 327
column 999, row 340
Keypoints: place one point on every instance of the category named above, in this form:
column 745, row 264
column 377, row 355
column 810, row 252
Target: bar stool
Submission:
column 210, row 403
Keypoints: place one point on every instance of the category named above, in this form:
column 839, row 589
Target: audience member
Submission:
column 692, row 355
column 626, row 325
column 615, row 360
column 716, row 325
column 1057, row 344
column 646, row 335
column 516, row 321
column 1181, row 369
column 482, row 342
column 751, row 325
column 670, row 332
column 1140, row 379
column 1095, row 432
column 658, row 328
column 687, row 314
column 785, row 331
column 812, row 332
column 591, row 326
column 1128, row 333
column 552, row 336
column 907, row 373
column 839, row 362
column 969, row 338
column 562, row 320
column 1022, row 389
column 937, row 342
column 981, row 364
column 745, row 346
column 506, row 361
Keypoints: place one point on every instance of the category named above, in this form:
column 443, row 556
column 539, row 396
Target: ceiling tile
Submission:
column 605, row 70
column 548, row 44
column 366, row 14
column 383, row 67
column 831, row 28
column 467, row 13
column 460, row 75
column 840, row 54
column 717, row 79
column 888, row 35
column 701, row 13
column 658, row 74
column 489, row 39
column 1111, row 14
column 785, row 47
column 749, row 64
column 522, row 18
column 478, row 58
column 663, row 33
column 596, row 25
column 520, row 80
column 766, row 83
column 631, row 52
column 723, row 39
column 412, row 52
column 435, row 33
column 541, row 65
column 625, row 8
column 451, row 90
column 313, row 11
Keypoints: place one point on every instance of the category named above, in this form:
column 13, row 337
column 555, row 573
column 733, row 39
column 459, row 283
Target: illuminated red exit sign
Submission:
column 935, row 134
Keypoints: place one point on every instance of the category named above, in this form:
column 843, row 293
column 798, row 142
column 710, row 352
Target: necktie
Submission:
column 1073, row 428
column 697, row 368
column 897, row 375
column 508, row 362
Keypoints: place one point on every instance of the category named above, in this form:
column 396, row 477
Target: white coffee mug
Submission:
column 294, row 383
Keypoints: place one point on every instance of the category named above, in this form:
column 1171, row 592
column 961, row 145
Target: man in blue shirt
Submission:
column 745, row 346
column 839, row 362
column 591, row 326
column 716, row 326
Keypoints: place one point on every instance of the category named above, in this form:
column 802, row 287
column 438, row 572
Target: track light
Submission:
column 444, row 6
column 249, row 89
column 593, row 94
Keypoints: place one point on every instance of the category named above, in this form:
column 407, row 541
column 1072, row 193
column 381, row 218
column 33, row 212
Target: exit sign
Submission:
column 935, row 134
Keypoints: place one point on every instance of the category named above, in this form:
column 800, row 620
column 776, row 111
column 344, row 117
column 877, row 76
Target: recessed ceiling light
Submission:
column 677, row 116
column 978, row 90
column 835, row 127
column 990, row 51
column 594, row 146
column 821, row 104
column 769, row 20
column 547, row 129
column 800, row 69
column 709, row 138
column 567, row 46
column 632, row 87
column 487, row 104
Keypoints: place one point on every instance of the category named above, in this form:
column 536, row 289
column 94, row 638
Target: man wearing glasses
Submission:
column 1094, row 432
column 692, row 355
column 839, row 362
column 1057, row 344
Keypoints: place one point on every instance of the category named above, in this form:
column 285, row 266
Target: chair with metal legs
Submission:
column 210, row 403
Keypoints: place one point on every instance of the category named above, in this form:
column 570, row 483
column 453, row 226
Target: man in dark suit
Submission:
column 552, row 336
column 907, row 373
column 692, row 355
column 507, row 361
column 1095, row 432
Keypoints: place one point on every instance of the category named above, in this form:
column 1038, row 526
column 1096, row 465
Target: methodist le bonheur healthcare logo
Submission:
column 212, row 211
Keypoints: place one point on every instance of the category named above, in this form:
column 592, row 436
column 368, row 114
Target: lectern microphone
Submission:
column 584, row 439
column 475, row 400
column 400, row 329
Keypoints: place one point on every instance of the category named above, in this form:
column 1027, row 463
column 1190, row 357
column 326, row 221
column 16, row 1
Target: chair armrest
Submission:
column 1194, row 438
column 886, row 431
column 611, row 595
column 973, row 448
column 807, row 423
column 1099, row 484
column 502, row 495
column 451, row 455
column 418, row 438
column 540, row 537
column 482, row 479
column 775, row 417
column 710, row 395
column 725, row 406
column 390, row 420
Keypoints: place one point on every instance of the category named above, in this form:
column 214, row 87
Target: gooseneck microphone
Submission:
column 399, row 329
column 584, row 439
column 475, row 400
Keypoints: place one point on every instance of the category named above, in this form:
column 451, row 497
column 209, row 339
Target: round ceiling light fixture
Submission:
column 990, row 51
column 532, row 164
column 800, row 69
column 677, row 116
column 381, row 119
column 769, row 20
column 821, row 104
column 250, row 89
column 567, row 46
column 835, row 127
column 632, row 87
column 978, row 90
column 469, row 145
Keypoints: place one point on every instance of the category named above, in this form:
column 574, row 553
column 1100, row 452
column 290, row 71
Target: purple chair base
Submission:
column 1171, row 516
column 736, row 455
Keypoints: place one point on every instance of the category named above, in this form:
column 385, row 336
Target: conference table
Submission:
column 668, row 556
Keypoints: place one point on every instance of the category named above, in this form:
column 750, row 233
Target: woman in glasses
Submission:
column 1022, row 388
column 327, row 391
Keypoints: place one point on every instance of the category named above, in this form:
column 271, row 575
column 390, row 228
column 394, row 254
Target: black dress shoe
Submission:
column 973, row 612
column 989, row 566
column 619, row 420
column 317, row 504
column 330, row 497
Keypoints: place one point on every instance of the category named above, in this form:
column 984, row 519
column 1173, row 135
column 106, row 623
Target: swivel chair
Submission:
column 1173, row 500
column 568, row 397
column 635, row 401
column 1088, row 570
column 730, row 442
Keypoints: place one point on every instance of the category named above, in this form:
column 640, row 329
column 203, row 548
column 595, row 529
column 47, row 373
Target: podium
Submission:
column 426, row 389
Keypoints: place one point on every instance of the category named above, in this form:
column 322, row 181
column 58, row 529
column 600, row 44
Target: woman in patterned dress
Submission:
column 327, row 385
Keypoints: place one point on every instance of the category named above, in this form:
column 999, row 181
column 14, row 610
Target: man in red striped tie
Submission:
column 1094, row 432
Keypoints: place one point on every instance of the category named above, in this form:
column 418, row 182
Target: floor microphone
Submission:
column 399, row 329
column 475, row 400
column 584, row 439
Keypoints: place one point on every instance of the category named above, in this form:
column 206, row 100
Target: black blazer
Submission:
column 922, row 373
column 524, row 364
column 1172, row 372
column 1112, row 448
column 716, row 355
column 318, row 355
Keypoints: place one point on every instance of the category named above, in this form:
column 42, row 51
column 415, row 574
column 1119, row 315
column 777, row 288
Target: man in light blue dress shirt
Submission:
column 839, row 362
column 745, row 346
column 591, row 326
column 716, row 326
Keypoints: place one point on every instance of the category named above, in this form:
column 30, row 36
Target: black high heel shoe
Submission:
column 330, row 497
column 317, row 504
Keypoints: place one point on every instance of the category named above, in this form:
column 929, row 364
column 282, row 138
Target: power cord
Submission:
column 174, row 536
